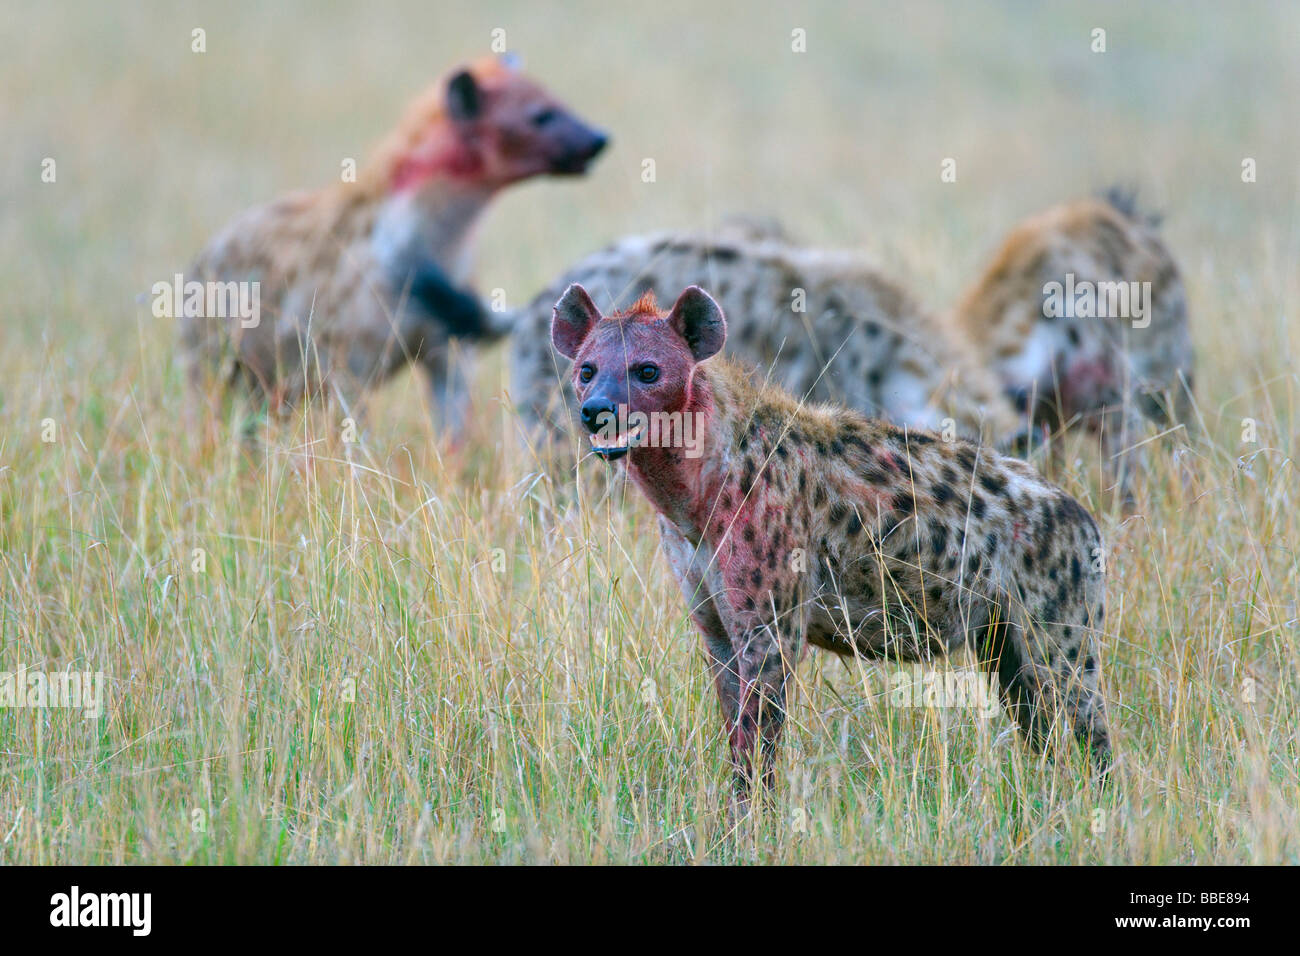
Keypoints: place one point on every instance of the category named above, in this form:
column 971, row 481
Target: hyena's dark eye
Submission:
column 544, row 117
column 647, row 373
column 586, row 373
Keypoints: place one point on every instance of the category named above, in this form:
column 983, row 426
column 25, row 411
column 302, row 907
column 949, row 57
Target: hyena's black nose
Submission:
column 596, row 412
column 598, row 142
column 580, row 143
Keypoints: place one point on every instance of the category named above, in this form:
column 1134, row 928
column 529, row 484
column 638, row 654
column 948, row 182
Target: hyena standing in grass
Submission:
column 788, row 525
column 1083, row 316
column 825, row 325
column 363, row 277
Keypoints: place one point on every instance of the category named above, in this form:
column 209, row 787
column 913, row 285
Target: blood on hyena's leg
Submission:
column 756, row 731
column 749, row 670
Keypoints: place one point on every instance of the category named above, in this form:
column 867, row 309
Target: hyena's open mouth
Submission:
column 573, row 165
column 614, row 447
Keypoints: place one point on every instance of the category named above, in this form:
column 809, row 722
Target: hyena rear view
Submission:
column 361, row 278
column 788, row 525
column 825, row 325
column 1083, row 316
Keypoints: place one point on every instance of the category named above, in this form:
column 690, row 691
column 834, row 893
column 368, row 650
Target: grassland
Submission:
column 405, row 652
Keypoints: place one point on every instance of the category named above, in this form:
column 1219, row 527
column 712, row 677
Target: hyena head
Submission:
column 1065, row 362
column 634, row 366
column 489, row 124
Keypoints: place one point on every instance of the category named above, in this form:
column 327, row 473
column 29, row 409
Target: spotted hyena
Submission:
column 1083, row 316
column 825, row 325
column 363, row 277
column 788, row 525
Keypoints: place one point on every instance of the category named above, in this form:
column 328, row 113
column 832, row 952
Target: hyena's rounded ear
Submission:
column 574, row 316
column 463, row 97
column 699, row 320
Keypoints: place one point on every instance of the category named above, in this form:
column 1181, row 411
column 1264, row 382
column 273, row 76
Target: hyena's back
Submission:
column 280, row 245
column 824, row 325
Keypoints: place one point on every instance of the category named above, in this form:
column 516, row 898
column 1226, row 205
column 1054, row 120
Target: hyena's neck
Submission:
column 432, row 224
column 683, row 483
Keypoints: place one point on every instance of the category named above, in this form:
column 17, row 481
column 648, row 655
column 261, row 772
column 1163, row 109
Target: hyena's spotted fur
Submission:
column 361, row 278
column 804, row 525
column 860, row 339
column 1103, row 374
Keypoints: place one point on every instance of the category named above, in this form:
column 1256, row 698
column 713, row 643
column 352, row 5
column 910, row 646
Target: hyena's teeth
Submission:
column 619, row 441
column 626, row 440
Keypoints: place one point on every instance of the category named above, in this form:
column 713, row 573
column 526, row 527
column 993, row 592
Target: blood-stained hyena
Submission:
column 824, row 324
column 788, row 525
column 362, row 277
column 1033, row 317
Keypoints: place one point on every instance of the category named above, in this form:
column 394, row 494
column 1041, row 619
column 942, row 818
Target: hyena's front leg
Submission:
column 765, row 621
column 750, row 658
column 690, row 567
column 764, row 657
column 1122, row 432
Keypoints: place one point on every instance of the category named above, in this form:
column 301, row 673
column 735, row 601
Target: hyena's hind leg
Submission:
column 449, row 371
column 1048, row 678
column 211, row 375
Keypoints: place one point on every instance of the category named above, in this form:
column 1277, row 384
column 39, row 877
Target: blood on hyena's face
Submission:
column 516, row 129
column 492, row 126
column 633, row 364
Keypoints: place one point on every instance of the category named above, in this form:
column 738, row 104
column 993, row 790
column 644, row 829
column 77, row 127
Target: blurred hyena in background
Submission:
column 361, row 278
column 826, row 325
column 1080, row 321
column 1082, row 315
